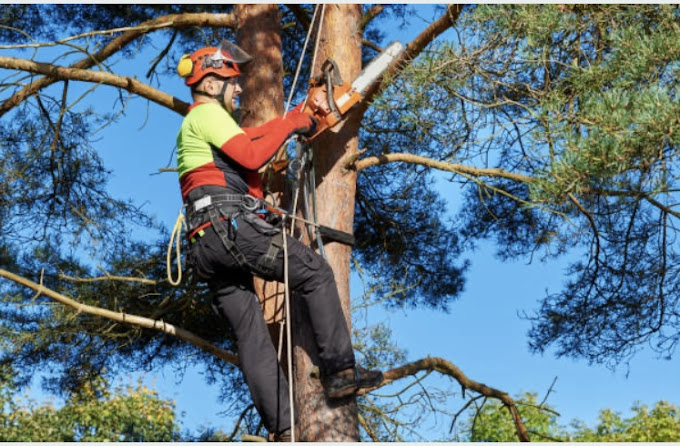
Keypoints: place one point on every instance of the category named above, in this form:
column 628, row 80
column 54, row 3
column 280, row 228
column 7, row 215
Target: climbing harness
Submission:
column 225, row 207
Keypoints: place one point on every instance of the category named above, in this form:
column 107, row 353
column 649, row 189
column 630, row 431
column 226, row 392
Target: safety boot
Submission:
column 347, row 382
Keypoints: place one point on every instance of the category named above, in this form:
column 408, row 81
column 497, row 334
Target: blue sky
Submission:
column 483, row 334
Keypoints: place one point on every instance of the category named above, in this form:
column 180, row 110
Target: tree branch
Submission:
column 162, row 54
column 108, row 277
column 440, row 165
column 124, row 318
column 176, row 21
column 447, row 368
column 55, row 73
column 350, row 162
column 372, row 13
column 301, row 15
column 369, row 430
column 414, row 48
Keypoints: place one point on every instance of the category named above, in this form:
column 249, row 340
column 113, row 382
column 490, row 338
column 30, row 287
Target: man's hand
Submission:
column 302, row 123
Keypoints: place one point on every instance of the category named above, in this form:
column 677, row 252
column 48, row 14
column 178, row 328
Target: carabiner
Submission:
column 250, row 203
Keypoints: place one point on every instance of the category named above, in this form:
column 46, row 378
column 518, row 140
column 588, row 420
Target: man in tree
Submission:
column 218, row 166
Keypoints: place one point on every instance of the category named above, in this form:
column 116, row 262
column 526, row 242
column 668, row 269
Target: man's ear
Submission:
column 207, row 84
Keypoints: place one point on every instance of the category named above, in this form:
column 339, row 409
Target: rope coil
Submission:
column 176, row 238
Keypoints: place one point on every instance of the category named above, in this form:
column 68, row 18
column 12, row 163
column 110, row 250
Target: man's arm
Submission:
column 252, row 147
column 257, row 145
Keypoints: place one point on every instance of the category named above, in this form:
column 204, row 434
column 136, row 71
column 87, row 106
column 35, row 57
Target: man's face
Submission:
column 213, row 85
column 233, row 90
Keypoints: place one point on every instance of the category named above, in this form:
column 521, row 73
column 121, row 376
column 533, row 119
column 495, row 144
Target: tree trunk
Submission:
column 316, row 419
column 262, row 99
column 259, row 34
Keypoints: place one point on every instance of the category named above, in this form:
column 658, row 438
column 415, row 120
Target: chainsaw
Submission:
column 330, row 98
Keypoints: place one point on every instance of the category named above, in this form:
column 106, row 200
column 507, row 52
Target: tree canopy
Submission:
column 557, row 124
column 659, row 423
column 92, row 413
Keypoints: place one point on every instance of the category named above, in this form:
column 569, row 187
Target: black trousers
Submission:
column 310, row 277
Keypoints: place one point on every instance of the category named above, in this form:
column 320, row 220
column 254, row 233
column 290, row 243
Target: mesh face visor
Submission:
column 227, row 52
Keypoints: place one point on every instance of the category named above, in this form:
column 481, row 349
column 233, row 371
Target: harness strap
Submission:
column 248, row 202
column 234, row 201
column 200, row 230
column 229, row 245
column 265, row 265
column 267, row 261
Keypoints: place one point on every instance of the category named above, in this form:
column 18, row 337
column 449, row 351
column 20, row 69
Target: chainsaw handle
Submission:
column 329, row 66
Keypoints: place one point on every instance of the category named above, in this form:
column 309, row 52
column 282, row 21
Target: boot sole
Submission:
column 342, row 393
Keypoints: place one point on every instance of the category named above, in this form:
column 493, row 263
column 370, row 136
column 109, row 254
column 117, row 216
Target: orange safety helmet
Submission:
column 222, row 61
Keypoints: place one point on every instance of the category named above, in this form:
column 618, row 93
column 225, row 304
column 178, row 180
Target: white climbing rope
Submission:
column 289, row 346
column 299, row 65
column 175, row 237
column 288, row 321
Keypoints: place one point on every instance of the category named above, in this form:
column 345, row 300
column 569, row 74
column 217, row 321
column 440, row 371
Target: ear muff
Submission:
column 185, row 67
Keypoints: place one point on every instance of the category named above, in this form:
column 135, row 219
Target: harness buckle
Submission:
column 250, row 203
column 202, row 202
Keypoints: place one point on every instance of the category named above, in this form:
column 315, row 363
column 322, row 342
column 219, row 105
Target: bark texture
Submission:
column 259, row 34
column 318, row 419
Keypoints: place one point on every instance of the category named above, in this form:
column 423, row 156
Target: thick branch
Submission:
column 351, row 162
column 440, row 165
column 124, row 318
column 176, row 21
column 447, row 368
column 55, row 73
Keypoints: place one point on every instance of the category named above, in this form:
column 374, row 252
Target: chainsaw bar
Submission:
column 329, row 98
column 371, row 73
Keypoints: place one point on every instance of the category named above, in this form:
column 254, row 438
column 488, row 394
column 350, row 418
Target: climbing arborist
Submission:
column 218, row 164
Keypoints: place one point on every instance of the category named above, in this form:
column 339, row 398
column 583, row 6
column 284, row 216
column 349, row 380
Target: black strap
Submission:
column 230, row 246
column 337, row 236
column 267, row 261
column 265, row 265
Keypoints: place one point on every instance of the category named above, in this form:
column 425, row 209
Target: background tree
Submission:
column 583, row 104
column 659, row 423
column 488, row 423
column 92, row 413
column 558, row 123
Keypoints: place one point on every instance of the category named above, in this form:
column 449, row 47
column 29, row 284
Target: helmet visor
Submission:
column 231, row 52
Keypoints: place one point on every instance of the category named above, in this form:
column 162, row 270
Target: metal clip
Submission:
column 249, row 203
